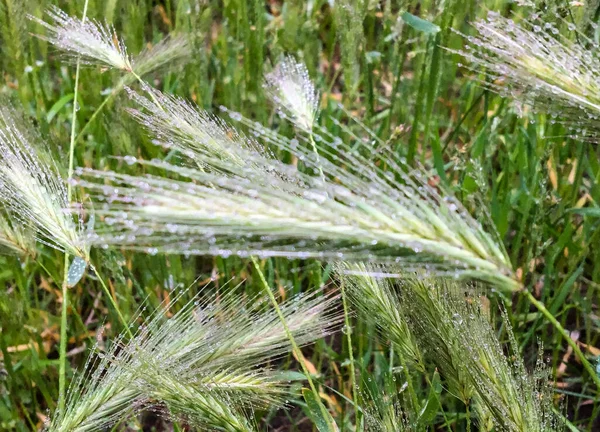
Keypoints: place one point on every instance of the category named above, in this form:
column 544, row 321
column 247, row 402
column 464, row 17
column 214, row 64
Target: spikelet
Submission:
column 353, row 210
column 172, row 50
column 454, row 330
column 268, row 208
column 384, row 410
column 411, row 328
column 32, row 189
column 15, row 238
column 296, row 216
column 201, row 136
column 292, row 90
column 205, row 363
column 376, row 300
column 532, row 63
column 97, row 44
column 90, row 41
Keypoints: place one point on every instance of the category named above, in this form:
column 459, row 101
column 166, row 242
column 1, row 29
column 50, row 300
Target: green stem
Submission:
column 63, row 339
column 143, row 83
column 65, row 294
column 112, row 301
column 318, row 160
column 350, row 355
column 74, row 115
column 95, row 114
column 296, row 350
column 578, row 353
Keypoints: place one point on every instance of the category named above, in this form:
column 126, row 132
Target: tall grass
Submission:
column 450, row 327
column 207, row 364
column 317, row 196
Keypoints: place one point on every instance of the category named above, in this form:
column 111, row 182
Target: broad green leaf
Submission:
column 318, row 413
column 76, row 271
column 58, row 105
column 420, row 24
column 429, row 410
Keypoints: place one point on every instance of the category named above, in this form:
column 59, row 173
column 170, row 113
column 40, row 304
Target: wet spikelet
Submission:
column 532, row 63
column 32, row 189
column 453, row 330
column 205, row 364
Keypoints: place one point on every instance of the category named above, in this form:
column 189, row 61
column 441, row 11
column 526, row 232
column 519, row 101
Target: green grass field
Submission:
column 517, row 170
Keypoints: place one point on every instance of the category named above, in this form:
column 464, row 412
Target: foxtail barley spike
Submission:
column 249, row 203
column 205, row 363
column 91, row 41
column 292, row 90
column 32, row 189
column 285, row 212
column 97, row 44
column 201, row 136
column 453, row 329
column 533, row 64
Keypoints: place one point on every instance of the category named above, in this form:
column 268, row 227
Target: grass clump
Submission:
column 206, row 364
column 230, row 210
column 193, row 178
column 453, row 331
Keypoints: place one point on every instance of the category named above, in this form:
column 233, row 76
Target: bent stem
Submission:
column 65, row 293
column 143, row 83
column 295, row 349
column 557, row 325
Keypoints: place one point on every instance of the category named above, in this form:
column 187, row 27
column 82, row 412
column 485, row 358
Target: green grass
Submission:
column 524, row 171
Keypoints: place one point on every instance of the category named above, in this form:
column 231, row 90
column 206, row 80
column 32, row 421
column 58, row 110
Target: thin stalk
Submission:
column 295, row 349
column 65, row 300
column 95, row 114
column 112, row 301
column 74, row 115
column 314, row 148
column 350, row 355
column 143, row 83
column 578, row 353
column 63, row 339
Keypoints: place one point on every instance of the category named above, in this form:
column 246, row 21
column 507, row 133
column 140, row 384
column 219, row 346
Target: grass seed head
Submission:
column 16, row 238
column 196, row 133
column 94, row 43
column 249, row 203
column 171, row 51
column 206, row 364
column 453, row 329
column 32, row 189
column 293, row 92
column 532, row 63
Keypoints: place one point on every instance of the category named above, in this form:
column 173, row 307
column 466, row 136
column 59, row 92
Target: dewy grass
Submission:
column 453, row 329
column 32, row 189
column 206, row 364
column 93, row 43
column 87, row 41
column 340, row 196
column 269, row 208
column 65, row 284
column 532, row 63
column 16, row 238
